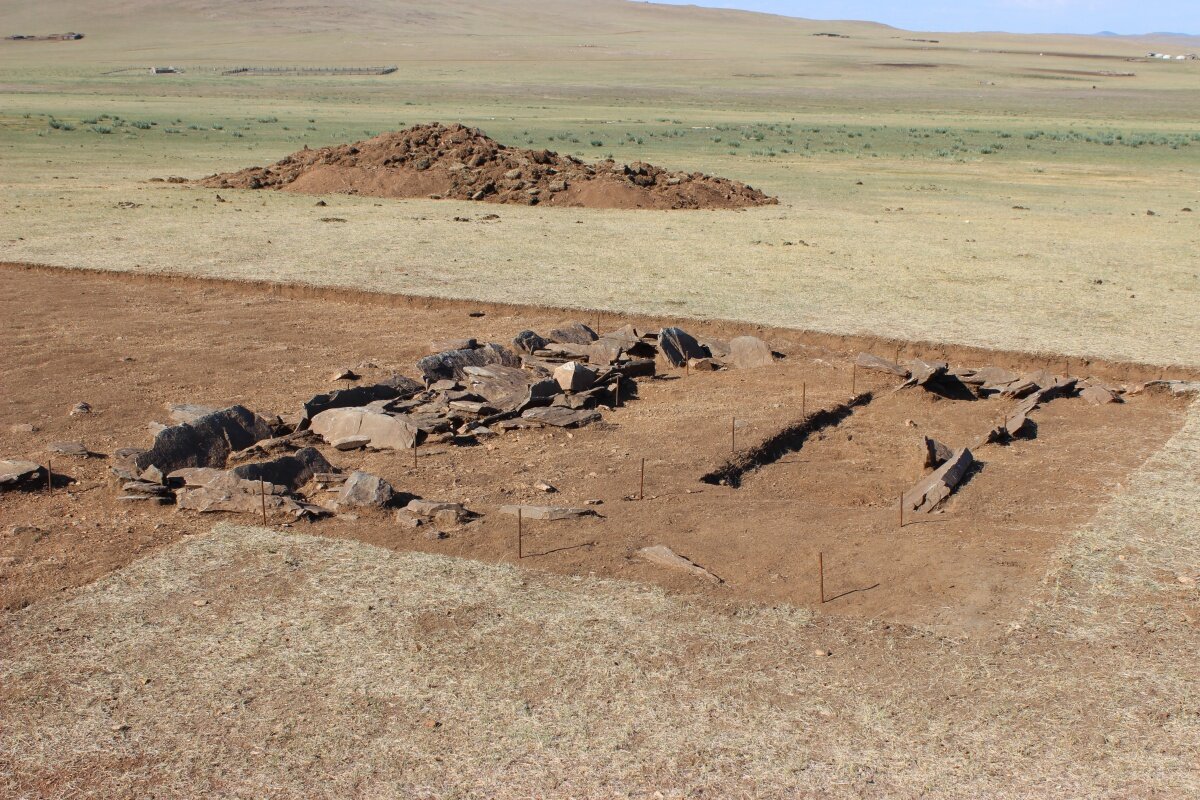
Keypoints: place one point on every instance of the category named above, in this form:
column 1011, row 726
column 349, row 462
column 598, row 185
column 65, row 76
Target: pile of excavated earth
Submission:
column 456, row 162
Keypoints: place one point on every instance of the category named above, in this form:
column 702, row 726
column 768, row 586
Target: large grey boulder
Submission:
column 364, row 490
column 450, row 364
column 397, row 387
column 574, row 333
column 935, row 487
column 529, row 341
column 677, row 346
column 921, row 373
column 16, row 473
column 508, row 389
column 205, row 442
column 385, row 431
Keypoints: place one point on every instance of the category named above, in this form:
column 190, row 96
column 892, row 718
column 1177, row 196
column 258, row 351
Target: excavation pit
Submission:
column 138, row 344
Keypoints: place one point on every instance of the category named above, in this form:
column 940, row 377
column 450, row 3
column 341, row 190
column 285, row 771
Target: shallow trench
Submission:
column 788, row 440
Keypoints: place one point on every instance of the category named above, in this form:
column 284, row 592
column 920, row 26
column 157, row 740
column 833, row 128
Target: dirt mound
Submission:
column 461, row 163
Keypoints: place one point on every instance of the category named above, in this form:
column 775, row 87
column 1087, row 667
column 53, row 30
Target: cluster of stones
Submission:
column 1033, row 389
column 232, row 460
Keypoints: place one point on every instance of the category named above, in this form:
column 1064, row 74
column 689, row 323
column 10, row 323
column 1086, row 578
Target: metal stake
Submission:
column 50, row 476
column 803, row 398
column 821, row 574
column 733, row 434
column 520, row 535
column 263, row 487
column 901, row 511
column 642, row 485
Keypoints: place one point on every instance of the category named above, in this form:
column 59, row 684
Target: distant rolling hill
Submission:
column 375, row 27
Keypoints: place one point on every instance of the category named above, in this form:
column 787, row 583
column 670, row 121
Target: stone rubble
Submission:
column 232, row 460
column 934, row 488
column 17, row 474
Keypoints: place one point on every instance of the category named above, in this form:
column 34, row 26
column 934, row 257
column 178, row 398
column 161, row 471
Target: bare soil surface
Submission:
column 130, row 345
column 461, row 163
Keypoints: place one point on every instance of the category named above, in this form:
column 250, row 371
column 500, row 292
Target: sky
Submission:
column 1016, row 16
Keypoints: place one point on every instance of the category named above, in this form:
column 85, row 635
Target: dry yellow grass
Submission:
column 949, row 268
column 247, row 663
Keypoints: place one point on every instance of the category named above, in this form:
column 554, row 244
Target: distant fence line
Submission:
column 310, row 71
column 254, row 70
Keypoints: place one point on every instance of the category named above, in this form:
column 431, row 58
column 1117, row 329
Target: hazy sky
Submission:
column 1018, row 16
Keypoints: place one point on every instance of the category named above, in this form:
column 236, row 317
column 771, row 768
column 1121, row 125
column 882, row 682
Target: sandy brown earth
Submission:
column 128, row 346
column 461, row 163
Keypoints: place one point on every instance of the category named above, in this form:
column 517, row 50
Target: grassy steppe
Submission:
column 985, row 189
